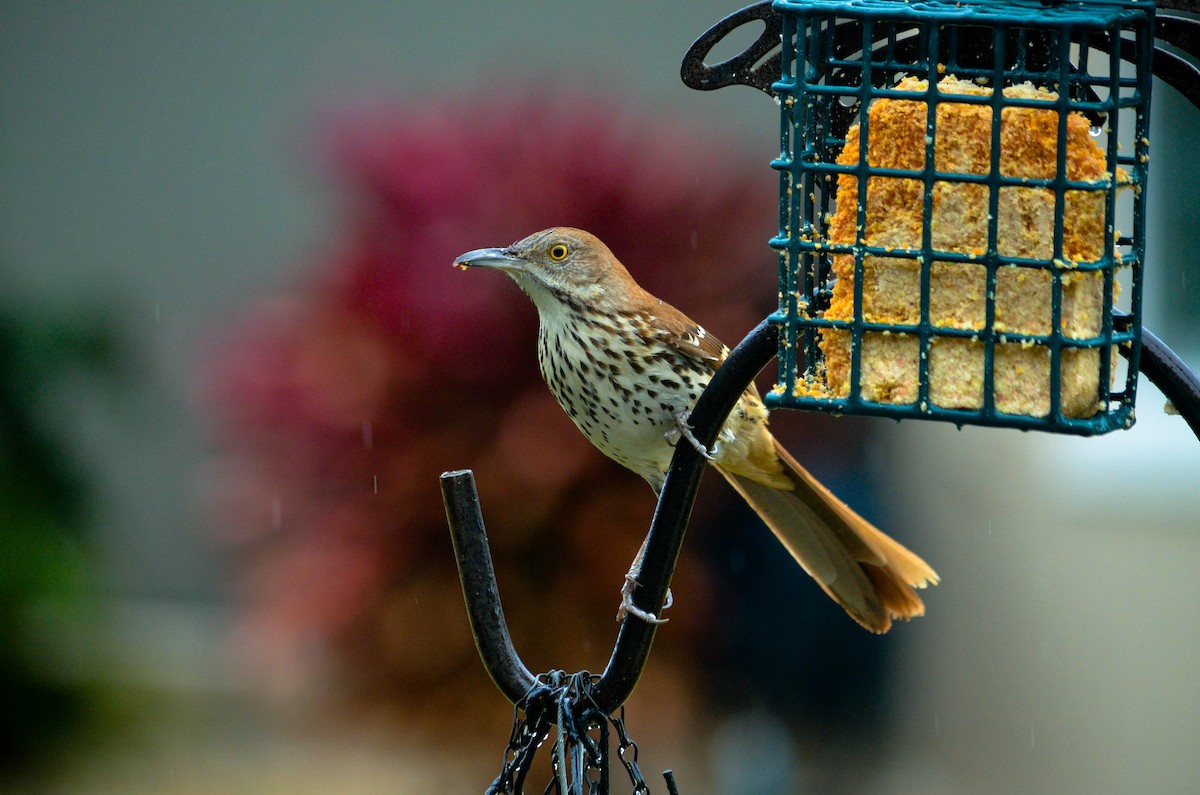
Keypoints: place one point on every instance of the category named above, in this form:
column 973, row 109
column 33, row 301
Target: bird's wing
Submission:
column 679, row 332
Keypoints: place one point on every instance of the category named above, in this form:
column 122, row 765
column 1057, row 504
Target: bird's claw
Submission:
column 682, row 428
column 628, row 608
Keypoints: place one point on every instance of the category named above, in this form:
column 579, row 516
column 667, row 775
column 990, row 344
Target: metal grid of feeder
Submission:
column 884, row 342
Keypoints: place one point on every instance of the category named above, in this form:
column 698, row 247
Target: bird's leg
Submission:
column 627, row 605
column 682, row 428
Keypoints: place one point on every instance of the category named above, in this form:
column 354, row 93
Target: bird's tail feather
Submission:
column 868, row 573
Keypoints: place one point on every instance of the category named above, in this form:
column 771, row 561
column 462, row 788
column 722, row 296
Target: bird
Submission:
column 627, row 368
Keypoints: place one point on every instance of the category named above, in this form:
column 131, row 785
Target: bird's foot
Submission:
column 682, row 428
column 629, row 608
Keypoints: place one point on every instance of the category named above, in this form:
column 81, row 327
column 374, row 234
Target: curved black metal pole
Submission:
column 478, row 578
column 1180, row 5
column 1160, row 365
column 675, row 508
column 662, row 547
column 1172, row 377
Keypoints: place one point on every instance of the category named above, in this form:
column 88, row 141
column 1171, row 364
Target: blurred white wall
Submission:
column 1064, row 651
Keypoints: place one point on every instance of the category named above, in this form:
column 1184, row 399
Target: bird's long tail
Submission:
column 868, row 573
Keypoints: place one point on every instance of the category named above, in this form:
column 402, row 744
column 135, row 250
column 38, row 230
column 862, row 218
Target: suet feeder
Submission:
column 962, row 213
column 962, row 202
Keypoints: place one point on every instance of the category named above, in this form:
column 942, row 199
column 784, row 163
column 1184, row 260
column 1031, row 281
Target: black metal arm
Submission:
column 1164, row 369
column 1173, row 378
column 675, row 508
column 478, row 578
column 662, row 547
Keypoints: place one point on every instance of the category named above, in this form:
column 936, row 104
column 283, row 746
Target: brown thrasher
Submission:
column 628, row 368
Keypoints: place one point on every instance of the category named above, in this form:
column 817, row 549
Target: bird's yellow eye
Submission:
column 558, row 252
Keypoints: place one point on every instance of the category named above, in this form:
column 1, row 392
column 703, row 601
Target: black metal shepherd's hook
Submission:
column 555, row 698
column 634, row 639
column 1178, row 64
column 671, row 516
column 1174, row 379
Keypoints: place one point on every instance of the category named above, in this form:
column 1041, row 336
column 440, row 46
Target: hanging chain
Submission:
column 579, row 756
column 627, row 752
column 531, row 726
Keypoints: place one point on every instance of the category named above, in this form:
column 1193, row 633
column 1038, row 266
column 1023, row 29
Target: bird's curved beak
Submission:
column 499, row 258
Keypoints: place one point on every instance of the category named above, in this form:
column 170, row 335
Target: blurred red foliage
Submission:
column 339, row 404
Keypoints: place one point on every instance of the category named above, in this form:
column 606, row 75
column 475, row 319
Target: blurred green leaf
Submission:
column 44, row 544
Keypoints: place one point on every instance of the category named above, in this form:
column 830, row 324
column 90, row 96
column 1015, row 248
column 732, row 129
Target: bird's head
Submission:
column 560, row 265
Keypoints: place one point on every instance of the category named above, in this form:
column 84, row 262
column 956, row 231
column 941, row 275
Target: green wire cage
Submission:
column 962, row 215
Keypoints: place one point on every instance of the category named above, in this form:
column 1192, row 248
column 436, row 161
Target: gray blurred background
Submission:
column 155, row 159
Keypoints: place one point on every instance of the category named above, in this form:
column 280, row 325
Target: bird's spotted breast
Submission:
column 620, row 384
